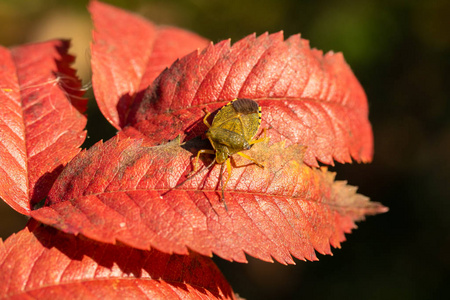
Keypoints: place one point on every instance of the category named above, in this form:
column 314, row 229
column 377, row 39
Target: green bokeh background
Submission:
column 400, row 51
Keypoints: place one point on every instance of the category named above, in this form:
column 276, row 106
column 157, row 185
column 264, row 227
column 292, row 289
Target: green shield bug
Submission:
column 232, row 131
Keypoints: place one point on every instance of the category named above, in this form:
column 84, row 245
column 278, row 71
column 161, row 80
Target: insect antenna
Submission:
column 191, row 176
column 199, row 172
column 221, row 185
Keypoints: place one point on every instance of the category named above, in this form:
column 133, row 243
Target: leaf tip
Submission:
column 383, row 209
column 278, row 35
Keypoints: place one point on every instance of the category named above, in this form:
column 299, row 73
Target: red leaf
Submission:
column 124, row 190
column 41, row 120
column 306, row 98
column 48, row 264
column 128, row 53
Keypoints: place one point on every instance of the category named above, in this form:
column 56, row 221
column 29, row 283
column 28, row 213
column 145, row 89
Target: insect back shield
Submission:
column 233, row 128
column 231, row 132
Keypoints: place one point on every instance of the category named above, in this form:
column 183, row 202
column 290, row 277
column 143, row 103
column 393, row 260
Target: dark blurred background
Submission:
column 400, row 51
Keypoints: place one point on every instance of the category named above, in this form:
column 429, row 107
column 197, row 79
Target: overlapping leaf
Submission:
column 48, row 264
column 41, row 120
column 306, row 98
column 125, row 191
column 128, row 53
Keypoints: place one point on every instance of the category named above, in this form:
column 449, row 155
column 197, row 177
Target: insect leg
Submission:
column 252, row 159
column 229, row 173
column 208, row 151
column 205, row 118
column 259, row 140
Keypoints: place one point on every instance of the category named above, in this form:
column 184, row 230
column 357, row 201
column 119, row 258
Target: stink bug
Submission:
column 232, row 131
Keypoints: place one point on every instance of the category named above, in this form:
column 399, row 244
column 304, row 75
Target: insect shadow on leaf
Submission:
column 232, row 131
